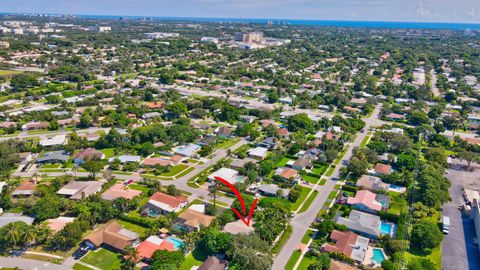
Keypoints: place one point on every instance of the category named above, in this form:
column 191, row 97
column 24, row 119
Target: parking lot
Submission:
column 459, row 248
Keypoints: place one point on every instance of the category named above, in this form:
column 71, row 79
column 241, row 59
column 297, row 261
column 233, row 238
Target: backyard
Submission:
column 103, row 259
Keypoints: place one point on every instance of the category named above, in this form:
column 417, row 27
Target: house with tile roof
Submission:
column 120, row 191
column 191, row 220
column 153, row 243
column 88, row 154
column 382, row 169
column 26, row 188
column 362, row 223
column 77, row 190
column 367, row 201
column 113, row 235
column 57, row 224
column 161, row 203
column 287, row 173
column 212, row 263
column 348, row 243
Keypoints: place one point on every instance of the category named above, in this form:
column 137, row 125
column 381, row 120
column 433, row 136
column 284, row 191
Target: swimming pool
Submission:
column 385, row 228
column 177, row 243
column 378, row 256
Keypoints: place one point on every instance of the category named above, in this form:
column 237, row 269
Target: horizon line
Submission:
column 241, row 18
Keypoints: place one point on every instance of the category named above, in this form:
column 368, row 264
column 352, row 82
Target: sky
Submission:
column 467, row 11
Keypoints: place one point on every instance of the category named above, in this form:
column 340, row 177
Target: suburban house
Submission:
column 224, row 132
column 348, row 243
column 258, row 153
column 57, row 224
column 126, row 159
column 160, row 203
column 238, row 227
column 212, row 263
column 372, row 183
column 382, row 169
column 302, row 164
column 232, row 176
column 362, row 223
column 286, row 173
column 120, row 191
column 269, row 143
column 395, row 117
column 113, row 235
column 26, row 188
column 248, row 118
column 191, row 220
column 154, row 105
column 53, row 157
column 54, row 141
column 311, row 154
column 153, row 243
column 273, row 190
column 88, row 154
column 35, row 126
column 368, row 201
column 240, row 163
column 7, row 218
column 283, row 133
column 77, row 190
column 187, row 150
column 162, row 162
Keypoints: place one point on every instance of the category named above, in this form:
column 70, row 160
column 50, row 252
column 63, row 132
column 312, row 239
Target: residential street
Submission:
column 28, row 264
column 301, row 222
column 180, row 183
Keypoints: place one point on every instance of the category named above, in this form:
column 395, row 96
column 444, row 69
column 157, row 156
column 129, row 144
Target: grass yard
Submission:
column 194, row 258
column 435, row 256
column 283, row 239
column 226, row 144
column 308, row 235
column 283, row 162
column 319, row 169
column 185, row 172
column 5, row 72
column 108, row 152
column 293, row 260
column 309, row 201
column 142, row 188
column 306, row 261
column 103, row 259
column 365, row 140
column 132, row 227
column 190, row 262
column 332, row 195
column 303, row 195
column 310, row 179
column 174, row 170
column 51, row 166
column 78, row 266
column 323, row 182
column 398, row 204
column 330, row 171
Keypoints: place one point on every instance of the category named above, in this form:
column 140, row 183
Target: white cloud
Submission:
column 423, row 12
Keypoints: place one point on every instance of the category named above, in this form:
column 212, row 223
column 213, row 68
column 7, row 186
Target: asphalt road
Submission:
column 28, row 264
column 459, row 251
column 302, row 221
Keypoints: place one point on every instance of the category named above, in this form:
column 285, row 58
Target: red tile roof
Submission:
column 344, row 242
column 169, row 199
column 382, row 168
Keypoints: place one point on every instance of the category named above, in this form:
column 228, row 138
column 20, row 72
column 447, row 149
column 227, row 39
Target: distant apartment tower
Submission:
column 100, row 29
column 249, row 37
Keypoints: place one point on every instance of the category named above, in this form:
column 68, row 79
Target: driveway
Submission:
column 459, row 251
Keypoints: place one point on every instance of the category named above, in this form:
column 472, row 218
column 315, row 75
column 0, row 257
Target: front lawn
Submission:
column 309, row 201
column 174, row 170
column 103, row 259
column 108, row 152
column 303, row 195
column 305, row 263
column 283, row 162
column 51, row 166
column 78, row 266
column 293, row 260
column 310, row 179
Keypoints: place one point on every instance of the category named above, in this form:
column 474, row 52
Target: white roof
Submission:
column 258, row 152
column 154, row 240
column 56, row 140
column 225, row 173
column 162, row 206
column 198, row 207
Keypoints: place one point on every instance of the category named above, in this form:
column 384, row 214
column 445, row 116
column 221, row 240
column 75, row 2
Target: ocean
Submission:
column 362, row 24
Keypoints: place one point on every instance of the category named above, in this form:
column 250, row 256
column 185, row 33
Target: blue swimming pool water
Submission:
column 177, row 243
column 385, row 228
column 378, row 256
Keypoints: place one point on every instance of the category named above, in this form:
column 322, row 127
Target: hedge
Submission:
column 349, row 188
column 137, row 221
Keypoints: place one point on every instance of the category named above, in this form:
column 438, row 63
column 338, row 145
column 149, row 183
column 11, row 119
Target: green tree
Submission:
column 322, row 262
column 426, row 234
column 161, row 258
column 93, row 167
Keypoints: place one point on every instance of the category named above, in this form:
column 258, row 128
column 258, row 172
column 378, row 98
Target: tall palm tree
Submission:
column 131, row 257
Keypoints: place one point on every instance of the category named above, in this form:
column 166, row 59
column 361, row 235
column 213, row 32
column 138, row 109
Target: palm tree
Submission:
column 131, row 257
column 29, row 237
column 13, row 234
column 213, row 191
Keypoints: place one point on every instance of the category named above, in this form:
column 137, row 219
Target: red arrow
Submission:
column 242, row 202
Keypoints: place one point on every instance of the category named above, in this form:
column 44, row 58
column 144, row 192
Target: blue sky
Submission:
column 367, row 10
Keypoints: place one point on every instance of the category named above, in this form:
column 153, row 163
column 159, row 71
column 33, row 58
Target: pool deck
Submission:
column 368, row 260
